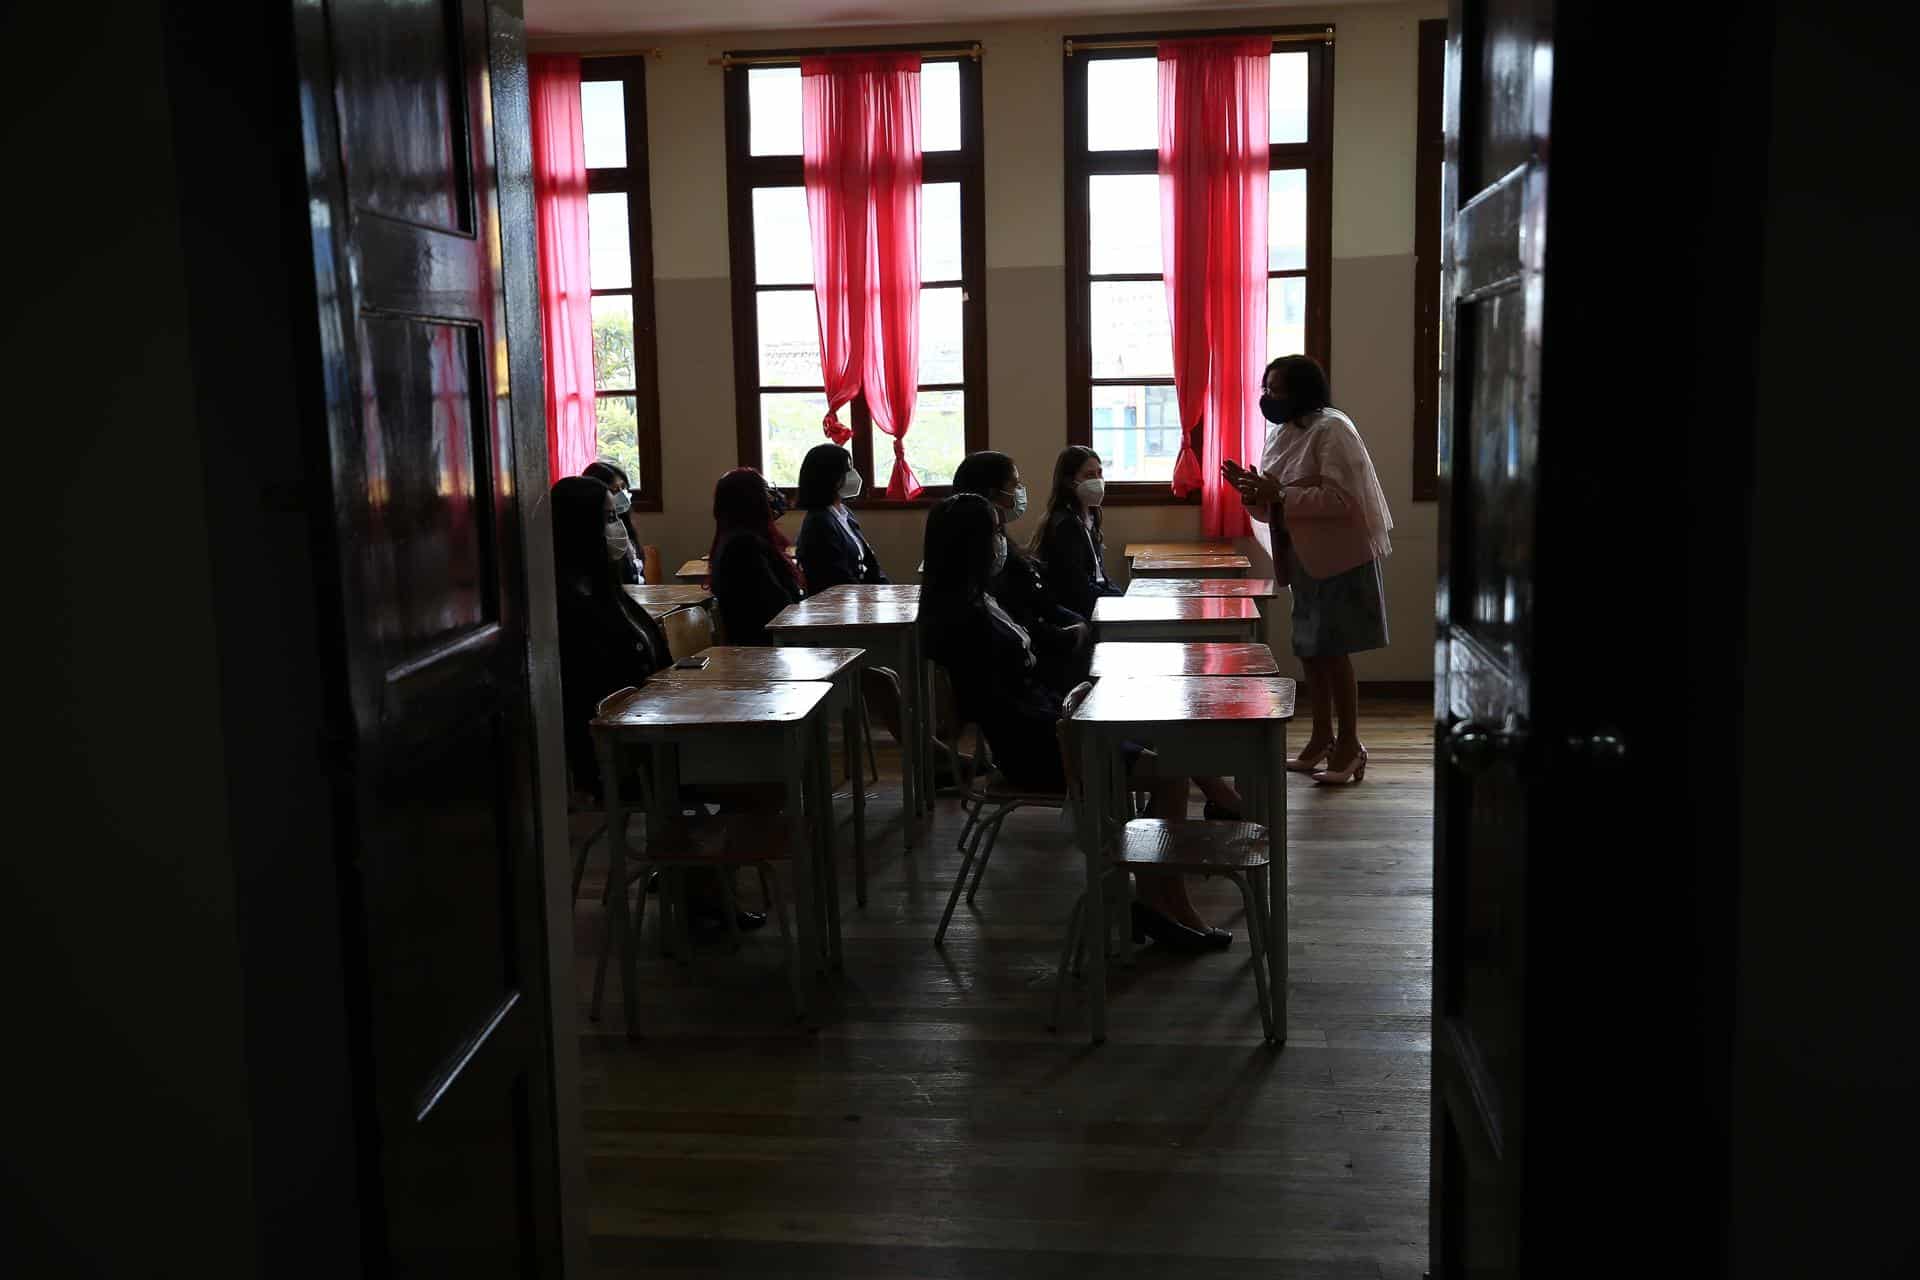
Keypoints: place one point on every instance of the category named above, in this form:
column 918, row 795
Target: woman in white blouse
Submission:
column 1317, row 490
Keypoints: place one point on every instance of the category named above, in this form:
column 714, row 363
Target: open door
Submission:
column 435, row 781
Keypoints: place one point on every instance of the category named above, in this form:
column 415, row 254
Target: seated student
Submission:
column 990, row 660
column 833, row 551
column 1068, row 540
column 748, row 570
column 1062, row 639
column 616, row 480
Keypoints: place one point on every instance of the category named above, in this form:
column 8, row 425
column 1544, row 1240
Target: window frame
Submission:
column 746, row 172
column 1315, row 156
column 632, row 181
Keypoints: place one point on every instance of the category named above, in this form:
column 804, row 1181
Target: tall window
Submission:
column 613, row 113
column 776, row 335
column 1120, row 396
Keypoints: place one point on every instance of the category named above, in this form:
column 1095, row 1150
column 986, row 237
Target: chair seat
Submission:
column 998, row 788
column 1215, row 846
column 735, row 839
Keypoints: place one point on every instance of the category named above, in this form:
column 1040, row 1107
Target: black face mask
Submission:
column 1276, row 409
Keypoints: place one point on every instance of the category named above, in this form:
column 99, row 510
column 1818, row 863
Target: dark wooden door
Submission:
column 1493, row 209
column 442, row 890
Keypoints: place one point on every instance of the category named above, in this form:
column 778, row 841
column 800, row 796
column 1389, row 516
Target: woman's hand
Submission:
column 1256, row 489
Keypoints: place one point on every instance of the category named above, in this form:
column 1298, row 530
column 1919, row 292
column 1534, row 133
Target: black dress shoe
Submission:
column 1168, row 932
column 712, row 924
column 1220, row 813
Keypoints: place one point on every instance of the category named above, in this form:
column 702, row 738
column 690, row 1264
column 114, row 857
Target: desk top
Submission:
column 1175, row 658
column 1210, row 547
column 753, row 664
column 667, row 597
column 1132, row 608
column 876, row 605
column 1189, row 588
column 692, row 570
column 1216, row 560
column 1187, row 699
column 691, row 705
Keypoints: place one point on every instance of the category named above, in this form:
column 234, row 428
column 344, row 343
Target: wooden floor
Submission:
column 933, row 1127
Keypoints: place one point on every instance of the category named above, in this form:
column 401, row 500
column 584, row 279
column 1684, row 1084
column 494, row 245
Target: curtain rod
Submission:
column 771, row 59
column 1072, row 47
column 656, row 53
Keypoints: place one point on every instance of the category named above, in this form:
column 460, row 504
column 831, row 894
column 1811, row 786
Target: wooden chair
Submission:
column 652, row 572
column 1236, row 850
column 689, row 630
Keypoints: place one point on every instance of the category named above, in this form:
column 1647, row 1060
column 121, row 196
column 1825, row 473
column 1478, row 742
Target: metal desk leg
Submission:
column 1094, row 768
column 903, row 656
column 805, row 874
column 821, row 804
column 1276, row 798
column 854, row 731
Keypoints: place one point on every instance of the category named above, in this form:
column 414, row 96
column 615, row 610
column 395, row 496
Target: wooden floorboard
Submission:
column 933, row 1127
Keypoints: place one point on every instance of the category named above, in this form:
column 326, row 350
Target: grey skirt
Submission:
column 1346, row 613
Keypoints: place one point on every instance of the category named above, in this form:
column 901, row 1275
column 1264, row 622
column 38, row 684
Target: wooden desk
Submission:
column 883, row 620
column 751, row 666
column 1208, row 566
column 1262, row 591
column 1122, row 659
column 1145, row 617
column 788, row 721
column 694, row 570
column 1200, row 725
column 660, row 601
column 1206, row 547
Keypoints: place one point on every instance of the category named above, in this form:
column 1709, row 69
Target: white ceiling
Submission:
column 684, row 17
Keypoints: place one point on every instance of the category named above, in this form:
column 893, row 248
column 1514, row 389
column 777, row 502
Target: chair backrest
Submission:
column 689, row 630
column 652, row 571
column 613, row 700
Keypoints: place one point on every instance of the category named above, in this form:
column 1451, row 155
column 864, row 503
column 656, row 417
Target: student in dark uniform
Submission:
column 833, row 551
column 615, row 479
column 990, row 660
column 1068, row 540
column 1062, row 639
column 748, row 570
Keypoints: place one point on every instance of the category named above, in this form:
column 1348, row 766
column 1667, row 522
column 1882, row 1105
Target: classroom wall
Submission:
column 1372, row 285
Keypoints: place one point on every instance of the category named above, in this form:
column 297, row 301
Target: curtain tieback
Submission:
column 830, row 425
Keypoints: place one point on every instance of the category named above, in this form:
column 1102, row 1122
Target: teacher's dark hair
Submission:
column 820, row 473
column 1302, row 381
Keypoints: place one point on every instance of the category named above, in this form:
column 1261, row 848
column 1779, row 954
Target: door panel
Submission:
column 1492, row 294
column 442, row 876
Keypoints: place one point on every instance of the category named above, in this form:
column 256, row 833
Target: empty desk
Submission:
column 1229, row 565
column 1205, row 547
column 660, row 601
column 1259, row 590
column 1122, row 659
column 692, row 571
column 1132, row 617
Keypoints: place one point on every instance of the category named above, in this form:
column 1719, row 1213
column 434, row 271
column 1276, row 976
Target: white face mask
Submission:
column 1091, row 492
column 616, row 535
column 1019, row 507
column 850, row 485
column 999, row 554
column 622, row 502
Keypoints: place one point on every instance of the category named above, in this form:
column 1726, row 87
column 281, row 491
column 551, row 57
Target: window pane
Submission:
column 773, row 111
column 609, row 254
column 617, row 436
column 936, row 442
column 1136, row 431
column 789, row 426
column 1129, row 330
column 1287, row 97
column 1123, row 222
column 782, row 245
column 603, row 117
column 1123, row 104
column 940, row 231
column 940, row 106
column 789, row 339
column 1286, row 317
column 942, row 339
column 1286, row 219
column 613, row 343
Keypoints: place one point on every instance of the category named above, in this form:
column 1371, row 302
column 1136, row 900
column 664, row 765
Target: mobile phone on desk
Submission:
column 697, row 662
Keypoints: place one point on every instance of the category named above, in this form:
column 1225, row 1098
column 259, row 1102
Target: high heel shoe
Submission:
column 1303, row 763
column 1168, row 932
column 1354, row 772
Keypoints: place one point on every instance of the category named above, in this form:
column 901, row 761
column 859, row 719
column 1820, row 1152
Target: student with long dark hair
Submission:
column 1068, row 540
column 1062, row 639
column 1317, row 489
column 990, row 659
column 615, row 479
column 832, row 549
column 748, row 569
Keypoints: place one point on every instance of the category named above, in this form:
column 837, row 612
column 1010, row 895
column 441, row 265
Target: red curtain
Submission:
column 1213, row 226
column 860, row 119
column 566, row 289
